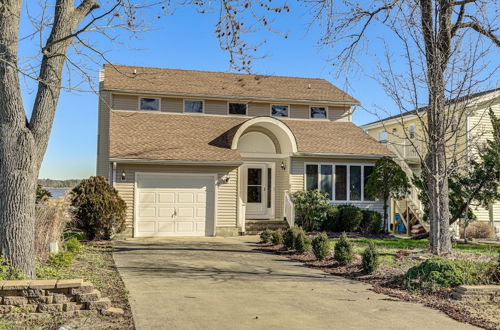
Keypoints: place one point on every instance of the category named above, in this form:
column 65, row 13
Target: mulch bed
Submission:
column 388, row 280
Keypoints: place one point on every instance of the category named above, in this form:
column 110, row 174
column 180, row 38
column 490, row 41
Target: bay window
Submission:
column 341, row 182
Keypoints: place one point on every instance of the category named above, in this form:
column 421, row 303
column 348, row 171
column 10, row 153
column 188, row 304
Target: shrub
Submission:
column 42, row 194
column 478, row 229
column 348, row 219
column 265, row 236
column 7, row 272
column 439, row 272
column 343, row 250
column 302, row 241
column 277, row 237
column 73, row 245
column 369, row 260
column 371, row 222
column 99, row 210
column 310, row 208
column 61, row 260
column 289, row 238
column 321, row 246
column 331, row 218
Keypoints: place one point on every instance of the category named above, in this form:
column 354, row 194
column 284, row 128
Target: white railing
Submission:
column 405, row 150
column 289, row 209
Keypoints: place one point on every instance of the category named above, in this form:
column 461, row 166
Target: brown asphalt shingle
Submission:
column 166, row 136
column 214, row 84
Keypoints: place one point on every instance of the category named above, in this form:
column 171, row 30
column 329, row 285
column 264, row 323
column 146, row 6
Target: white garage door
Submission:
column 174, row 205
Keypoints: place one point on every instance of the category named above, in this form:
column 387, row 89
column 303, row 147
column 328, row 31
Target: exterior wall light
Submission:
column 283, row 165
column 226, row 179
column 123, row 176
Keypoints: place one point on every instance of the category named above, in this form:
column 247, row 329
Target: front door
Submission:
column 258, row 191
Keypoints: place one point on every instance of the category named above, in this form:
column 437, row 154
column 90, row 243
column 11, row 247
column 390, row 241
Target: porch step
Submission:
column 254, row 227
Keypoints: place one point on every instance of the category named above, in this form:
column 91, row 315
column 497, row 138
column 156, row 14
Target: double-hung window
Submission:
column 341, row 182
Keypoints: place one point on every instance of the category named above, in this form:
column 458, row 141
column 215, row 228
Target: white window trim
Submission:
column 148, row 97
column 277, row 104
column 236, row 102
column 348, row 200
column 196, row 100
column 411, row 131
column 319, row 106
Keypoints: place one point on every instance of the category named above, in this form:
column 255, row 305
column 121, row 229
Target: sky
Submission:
column 186, row 40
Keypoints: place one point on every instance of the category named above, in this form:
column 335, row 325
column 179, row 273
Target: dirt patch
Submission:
column 388, row 280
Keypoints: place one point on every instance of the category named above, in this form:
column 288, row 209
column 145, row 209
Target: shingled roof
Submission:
column 221, row 84
column 166, row 136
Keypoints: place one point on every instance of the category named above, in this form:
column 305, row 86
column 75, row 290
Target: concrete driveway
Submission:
column 222, row 283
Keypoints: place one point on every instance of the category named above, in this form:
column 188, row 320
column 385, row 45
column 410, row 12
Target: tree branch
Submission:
column 476, row 26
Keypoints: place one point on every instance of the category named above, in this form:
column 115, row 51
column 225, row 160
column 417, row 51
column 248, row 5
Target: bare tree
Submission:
column 63, row 32
column 443, row 43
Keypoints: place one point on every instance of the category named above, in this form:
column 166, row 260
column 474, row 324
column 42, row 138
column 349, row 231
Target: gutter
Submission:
column 175, row 162
column 335, row 155
column 223, row 97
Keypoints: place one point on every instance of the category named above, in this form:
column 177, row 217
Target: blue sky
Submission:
column 186, row 40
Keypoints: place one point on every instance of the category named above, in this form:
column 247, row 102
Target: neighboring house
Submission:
column 210, row 153
column 403, row 134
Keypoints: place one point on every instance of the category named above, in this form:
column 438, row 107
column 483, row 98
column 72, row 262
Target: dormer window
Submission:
column 237, row 108
column 317, row 113
column 279, row 110
column 149, row 103
column 193, row 106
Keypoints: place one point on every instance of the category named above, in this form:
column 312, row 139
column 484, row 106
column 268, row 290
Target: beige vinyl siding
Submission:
column 297, row 177
column 338, row 114
column 299, row 111
column 281, row 183
column 169, row 104
column 258, row 109
column 125, row 102
column 481, row 130
column 226, row 214
column 213, row 107
column 102, row 164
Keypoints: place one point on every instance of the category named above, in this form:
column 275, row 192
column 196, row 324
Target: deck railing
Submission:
column 289, row 209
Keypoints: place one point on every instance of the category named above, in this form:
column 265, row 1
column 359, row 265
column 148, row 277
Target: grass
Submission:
column 94, row 264
column 388, row 248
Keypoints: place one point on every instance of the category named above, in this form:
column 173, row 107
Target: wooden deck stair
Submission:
column 254, row 227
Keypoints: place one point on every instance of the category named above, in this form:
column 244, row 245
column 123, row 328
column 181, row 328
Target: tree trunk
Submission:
column 18, row 177
column 386, row 216
column 436, row 27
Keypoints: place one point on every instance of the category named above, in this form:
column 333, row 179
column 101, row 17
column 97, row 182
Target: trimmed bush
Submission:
column 310, row 208
column 371, row 222
column 331, row 218
column 277, row 237
column 7, row 272
column 343, row 251
column 369, row 260
column 321, row 246
column 98, row 209
column 348, row 219
column 478, row 229
column 289, row 238
column 438, row 272
column 265, row 236
column 302, row 241
column 73, row 245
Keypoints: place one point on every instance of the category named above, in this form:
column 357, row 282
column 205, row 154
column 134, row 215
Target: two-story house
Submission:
column 469, row 126
column 211, row 153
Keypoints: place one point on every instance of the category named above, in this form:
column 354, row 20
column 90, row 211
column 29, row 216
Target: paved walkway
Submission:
column 222, row 283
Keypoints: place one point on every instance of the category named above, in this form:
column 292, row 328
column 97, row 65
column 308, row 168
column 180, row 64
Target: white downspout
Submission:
column 113, row 175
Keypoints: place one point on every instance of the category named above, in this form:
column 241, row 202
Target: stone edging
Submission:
column 53, row 296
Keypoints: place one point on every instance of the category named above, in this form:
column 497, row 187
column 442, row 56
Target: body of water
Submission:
column 58, row 192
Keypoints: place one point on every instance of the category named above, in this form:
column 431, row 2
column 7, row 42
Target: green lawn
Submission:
column 389, row 247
